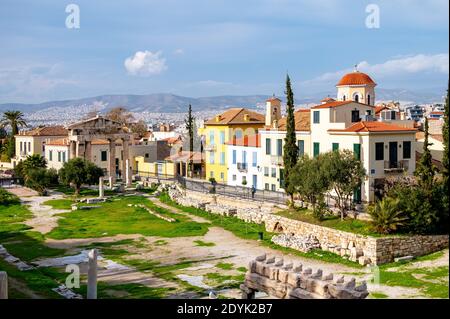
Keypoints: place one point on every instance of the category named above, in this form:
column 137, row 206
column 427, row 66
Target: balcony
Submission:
column 396, row 167
column 210, row 148
column 276, row 160
column 242, row 167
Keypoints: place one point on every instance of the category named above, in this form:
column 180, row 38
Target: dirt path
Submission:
column 44, row 217
column 179, row 211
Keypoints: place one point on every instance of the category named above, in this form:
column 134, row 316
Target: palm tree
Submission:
column 14, row 119
column 386, row 215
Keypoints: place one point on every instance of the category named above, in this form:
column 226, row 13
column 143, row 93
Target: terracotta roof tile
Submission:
column 373, row 126
column 185, row 156
column 46, row 131
column 237, row 116
column 356, row 78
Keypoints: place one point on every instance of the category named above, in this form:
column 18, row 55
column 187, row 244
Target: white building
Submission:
column 386, row 147
column 244, row 156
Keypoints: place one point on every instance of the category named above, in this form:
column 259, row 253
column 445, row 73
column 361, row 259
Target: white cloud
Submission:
column 146, row 63
column 178, row 52
column 394, row 68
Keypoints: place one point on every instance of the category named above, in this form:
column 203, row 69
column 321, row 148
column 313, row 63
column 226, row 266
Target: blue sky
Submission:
column 216, row 47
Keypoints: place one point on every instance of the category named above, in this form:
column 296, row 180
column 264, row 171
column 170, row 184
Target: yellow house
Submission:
column 232, row 124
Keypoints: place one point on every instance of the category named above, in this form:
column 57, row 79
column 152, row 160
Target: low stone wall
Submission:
column 355, row 247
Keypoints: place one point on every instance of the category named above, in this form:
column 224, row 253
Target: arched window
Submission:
column 343, row 98
column 356, row 97
column 368, row 99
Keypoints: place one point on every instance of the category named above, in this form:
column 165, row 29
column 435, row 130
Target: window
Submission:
column 281, row 178
column 238, row 133
column 343, row 98
column 406, row 150
column 274, row 187
column 222, row 137
column 63, row 157
column 379, row 151
column 266, row 186
column 211, row 137
column 29, row 146
column 368, row 99
column 21, row 147
column 211, row 157
column 211, row 174
column 244, row 157
column 357, row 151
column 244, row 180
column 316, row 149
column 50, row 155
column 104, row 156
column 279, row 147
column 222, row 158
column 146, row 155
column 254, row 180
column 355, row 116
column 268, row 150
column 393, row 115
column 335, row 147
column 59, row 156
column 222, row 176
column 234, row 178
column 301, row 147
column 234, row 156
column 266, row 171
column 316, row 117
column 274, row 172
column 357, row 98
column 255, row 159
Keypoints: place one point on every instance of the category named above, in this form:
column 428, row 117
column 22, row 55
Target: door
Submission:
column 393, row 155
column 255, row 180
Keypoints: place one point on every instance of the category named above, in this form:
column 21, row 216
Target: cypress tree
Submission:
column 190, row 124
column 290, row 155
column 445, row 171
column 425, row 170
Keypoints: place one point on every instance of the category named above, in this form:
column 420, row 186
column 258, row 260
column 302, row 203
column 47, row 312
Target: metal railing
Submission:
column 242, row 167
column 397, row 166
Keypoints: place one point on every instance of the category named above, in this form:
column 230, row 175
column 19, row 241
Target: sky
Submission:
column 217, row 47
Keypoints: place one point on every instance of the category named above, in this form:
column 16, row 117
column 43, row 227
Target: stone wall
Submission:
column 288, row 282
column 355, row 247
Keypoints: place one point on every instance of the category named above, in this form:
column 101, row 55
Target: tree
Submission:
column 345, row 174
column 290, row 154
column 386, row 215
column 121, row 115
column 190, row 125
column 40, row 179
column 309, row 180
column 425, row 170
column 445, row 164
column 32, row 162
column 140, row 128
column 78, row 171
column 13, row 119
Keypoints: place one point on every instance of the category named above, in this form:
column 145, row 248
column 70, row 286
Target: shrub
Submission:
column 7, row 198
column 386, row 215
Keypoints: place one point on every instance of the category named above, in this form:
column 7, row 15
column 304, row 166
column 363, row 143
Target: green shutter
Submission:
column 357, row 151
column 316, row 149
column 335, row 147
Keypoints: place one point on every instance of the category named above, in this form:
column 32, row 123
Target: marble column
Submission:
column 73, row 149
column 3, row 285
column 126, row 177
column 92, row 274
column 101, row 191
column 112, row 160
column 110, row 182
column 88, row 151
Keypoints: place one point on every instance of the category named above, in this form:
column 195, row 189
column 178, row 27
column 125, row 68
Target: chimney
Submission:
column 218, row 118
column 246, row 117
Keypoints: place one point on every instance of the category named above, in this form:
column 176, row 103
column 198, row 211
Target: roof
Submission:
column 99, row 142
column 437, row 113
column 328, row 99
column 380, row 108
column 185, row 156
column 302, row 121
column 336, row 104
column 172, row 140
column 247, row 141
column 373, row 127
column 356, row 78
column 58, row 142
column 421, row 135
column 273, row 98
column 58, row 130
column 236, row 116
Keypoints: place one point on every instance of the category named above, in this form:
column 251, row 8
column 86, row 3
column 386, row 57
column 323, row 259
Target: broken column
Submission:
column 101, row 191
column 3, row 285
column 127, row 172
column 92, row 274
column 110, row 182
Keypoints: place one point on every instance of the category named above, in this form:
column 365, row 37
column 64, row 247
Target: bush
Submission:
column 7, row 198
column 387, row 216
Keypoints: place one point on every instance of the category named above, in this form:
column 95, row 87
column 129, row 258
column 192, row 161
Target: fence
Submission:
column 220, row 189
column 6, row 182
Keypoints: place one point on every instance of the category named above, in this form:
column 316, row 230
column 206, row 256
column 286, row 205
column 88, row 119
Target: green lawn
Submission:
column 348, row 225
column 59, row 203
column 66, row 190
column 116, row 217
column 11, row 218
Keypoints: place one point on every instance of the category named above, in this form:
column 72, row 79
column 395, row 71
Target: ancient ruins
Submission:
column 265, row 274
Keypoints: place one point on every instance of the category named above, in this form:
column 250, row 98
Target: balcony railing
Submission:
column 242, row 167
column 276, row 160
column 210, row 148
column 393, row 167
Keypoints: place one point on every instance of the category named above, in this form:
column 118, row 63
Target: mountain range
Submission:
column 170, row 103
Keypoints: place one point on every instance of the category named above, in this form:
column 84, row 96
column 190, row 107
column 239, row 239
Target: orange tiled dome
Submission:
column 356, row 78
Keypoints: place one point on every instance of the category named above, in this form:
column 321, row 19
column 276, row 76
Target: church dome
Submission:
column 356, row 78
